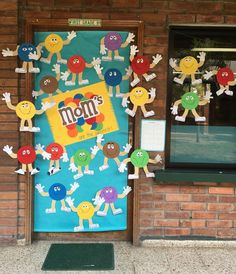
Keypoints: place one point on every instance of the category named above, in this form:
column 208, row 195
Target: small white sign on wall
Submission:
column 153, row 135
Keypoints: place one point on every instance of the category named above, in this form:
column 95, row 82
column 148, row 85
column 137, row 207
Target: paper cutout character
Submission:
column 57, row 192
column 49, row 85
column 27, row 54
column 85, row 211
column 76, row 66
column 111, row 150
column 110, row 195
column 112, row 42
column 141, row 65
column 139, row 97
column 188, row 66
column 139, row 159
column 82, row 158
column 225, row 79
column 190, row 101
column 26, row 155
column 113, row 78
column 25, row 110
column 57, row 152
column 54, row 45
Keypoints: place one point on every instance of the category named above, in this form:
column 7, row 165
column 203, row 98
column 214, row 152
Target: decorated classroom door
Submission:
column 85, row 131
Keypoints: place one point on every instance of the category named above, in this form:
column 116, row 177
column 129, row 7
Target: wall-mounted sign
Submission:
column 85, row 22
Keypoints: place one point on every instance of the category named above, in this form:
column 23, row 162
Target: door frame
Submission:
column 132, row 233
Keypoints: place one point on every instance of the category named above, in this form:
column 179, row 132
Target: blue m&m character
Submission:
column 24, row 50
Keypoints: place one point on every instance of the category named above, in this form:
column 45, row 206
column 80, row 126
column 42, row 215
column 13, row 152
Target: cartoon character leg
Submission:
column 197, row 117
column 52, row 102
column 131, row 112
column 80, row 227
column 22, row 125
column 147, row 113
column 23, row 69
column 80, row 173
column 32, row 69
column 21, row 170
column 31, row 128
column 110, row 91
column 72, row 81
column 64, row 207
column 104, row 212
column 105, row 164
column 135, row 81
column 32, row 170
column 117, row 56
column 115, row 211
column 88, row 171
column 59, row 59
column 54, row 167
column 91, row 224
column 117, row 161
column 52, row 209
column 149, row 77
column 108, row 57
column 48, row 59
column 183, row 117
column 118, row 93
column 194, row 81
column 228, row 92
column 135, row 175
column 148, row 174
column 180, row 80
column 81, row 81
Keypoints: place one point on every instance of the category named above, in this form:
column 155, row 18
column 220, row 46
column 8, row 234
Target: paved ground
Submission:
column 153, row 257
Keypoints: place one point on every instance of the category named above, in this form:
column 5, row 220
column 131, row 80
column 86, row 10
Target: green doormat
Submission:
column 80, row 257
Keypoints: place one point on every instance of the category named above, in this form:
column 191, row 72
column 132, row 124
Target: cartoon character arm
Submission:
column 94, row 151
column 156, row 59
column 7, row 98
column 125, row 101
column 174, row 108
column 96, row 199
column 96, row 61
column 9, row 151
column 126, row 191
column 70, row 35
column 152, row 94
column 73, row 188
column 56, row 69
column 64, row 156
column 72, row 166
column 208, row 74
column 35, row 93
column 40, row 45
column 201, row 56
column 99, row 201
column 207, row 97
column 99, row 141
column 40, row 189
column 65, row 75
column 128, row 73
column 7, row 52
column 40, row 150
column 126, row 148
column 133, row 51
column 232, row 83
column 157, row 159
column 173, row 64
column 70, row 202
column 45, row 106
column 123, row 164
column 103, row 49
column 129, row 39
column 98, row 70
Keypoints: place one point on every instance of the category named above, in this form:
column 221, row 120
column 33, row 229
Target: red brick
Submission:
column 218, row 224
column 8, row 204
column 8, row 230
column 227, row 216
column 151, row 232
column 227, row 199
column 166, row 223
column 210, row 19
column 43, row 3
column 178, row 197
column 7, row 5
column 146, row 205
column 204, row 198
column 145, row 188
column 192, row 189
column 151, row 214
column 125, row 4
column 220, row 207
column 153, row 18
column 193, row 206
column 158, row 197
column 8, row 222
column 37, row 14
column 204, row 231
column 146, row 223
column 227, row 232
column 192, row 223
column 8, row 213
column 203, row 215
column 221, row 190
column 155, row 4
column 167, row 206
column 177, row 215
column 176, row 231
column 181, row 18
column 166, row 189
column 205, row 184
column 231, row 19
column 8, row 195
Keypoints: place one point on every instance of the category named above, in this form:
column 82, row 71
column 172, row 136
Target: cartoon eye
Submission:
column 109, row 146
column 24, row 49
column 110, row 74
column 107, row 191
column 115, row 38
column 138, row 61
column 75, row 61
column 115, row 73
column 110, row 190
column 30, row 48
column 141, row 61
column 58, row 188
column 55, row 188
column 23, row 152
column 187, row 98
column 81, row 154
column 56, row 149
column 112, row 146
column 191, row 98
column 28, row 152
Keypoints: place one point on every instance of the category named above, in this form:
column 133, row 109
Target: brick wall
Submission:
column 196, row 209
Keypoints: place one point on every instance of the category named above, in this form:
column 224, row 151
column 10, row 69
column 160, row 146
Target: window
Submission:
column 201, row 131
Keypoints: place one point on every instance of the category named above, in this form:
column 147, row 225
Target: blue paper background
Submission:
column 86, row 44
